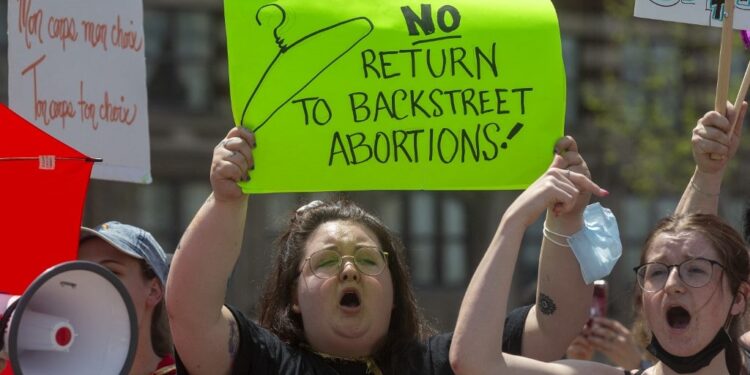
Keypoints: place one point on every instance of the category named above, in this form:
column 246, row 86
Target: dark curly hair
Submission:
column 407, row 326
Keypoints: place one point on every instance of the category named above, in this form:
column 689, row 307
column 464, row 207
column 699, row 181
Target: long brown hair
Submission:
column 732, row 252
column 407, row 325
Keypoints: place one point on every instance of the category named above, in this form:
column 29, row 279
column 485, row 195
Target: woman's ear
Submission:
column 295, row 299
column 740, row 299
column 155, row 292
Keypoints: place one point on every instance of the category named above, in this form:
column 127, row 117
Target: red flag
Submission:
column 43, row 185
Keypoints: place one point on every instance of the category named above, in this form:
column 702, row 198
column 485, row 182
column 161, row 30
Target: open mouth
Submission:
column 350, row 299
column 678, row 317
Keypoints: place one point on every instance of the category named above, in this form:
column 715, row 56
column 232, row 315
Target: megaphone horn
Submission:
column 75, row 318
column 41, row 331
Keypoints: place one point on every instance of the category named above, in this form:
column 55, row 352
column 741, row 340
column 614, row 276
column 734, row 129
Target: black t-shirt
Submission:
column 261, row 352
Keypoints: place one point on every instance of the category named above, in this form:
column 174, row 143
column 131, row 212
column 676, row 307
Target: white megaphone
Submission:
column 76, row 318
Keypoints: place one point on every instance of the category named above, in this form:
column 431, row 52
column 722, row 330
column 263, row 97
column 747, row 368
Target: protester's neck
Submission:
column 717, row 366
column 146, row 360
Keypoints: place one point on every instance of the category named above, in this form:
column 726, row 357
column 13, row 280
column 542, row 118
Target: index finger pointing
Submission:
column 583, row 183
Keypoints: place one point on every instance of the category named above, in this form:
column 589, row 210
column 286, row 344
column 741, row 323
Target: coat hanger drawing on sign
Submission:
column 318, row 50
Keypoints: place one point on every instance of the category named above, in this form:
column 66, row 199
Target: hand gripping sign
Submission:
column 728, row 14
column 386, row 95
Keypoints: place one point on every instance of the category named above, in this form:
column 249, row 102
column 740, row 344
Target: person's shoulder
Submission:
column 239, row 316
column 431, row 355
column 249, row 327
column 440, row 338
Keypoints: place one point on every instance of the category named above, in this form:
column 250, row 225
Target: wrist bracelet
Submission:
column 555, row 233
column 548, row 235
column 553, row 241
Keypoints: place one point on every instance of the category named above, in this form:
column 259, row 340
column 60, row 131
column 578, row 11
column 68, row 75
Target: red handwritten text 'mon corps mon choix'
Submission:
column 95, row 34
column 48, row 110
column 31, row 23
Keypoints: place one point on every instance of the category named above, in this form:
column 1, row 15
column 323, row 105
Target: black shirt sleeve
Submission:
column 242, row 360
column 513, row 332
column 437, row 347
column 260, row 351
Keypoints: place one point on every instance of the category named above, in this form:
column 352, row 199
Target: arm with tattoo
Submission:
column 563, row 299
column 480, row 326
column 208, row 251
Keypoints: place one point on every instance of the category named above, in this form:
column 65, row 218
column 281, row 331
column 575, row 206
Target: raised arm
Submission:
column 713, row 147
column 475, row 348
column 204, row 331
column 561, row 307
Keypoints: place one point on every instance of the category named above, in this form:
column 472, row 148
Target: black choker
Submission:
column 695, row 362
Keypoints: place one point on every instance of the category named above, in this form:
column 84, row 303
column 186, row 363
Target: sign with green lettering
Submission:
column 396, row 95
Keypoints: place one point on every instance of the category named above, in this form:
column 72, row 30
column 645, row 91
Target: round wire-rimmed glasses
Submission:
column 695, row 272
column 325, row 264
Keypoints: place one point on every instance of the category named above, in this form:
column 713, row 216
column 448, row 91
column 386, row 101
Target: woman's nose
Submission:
column 349, row 270
column 674, row 282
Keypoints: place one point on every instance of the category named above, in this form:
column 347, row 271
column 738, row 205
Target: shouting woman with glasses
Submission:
column 693, row 288
column 338, row 299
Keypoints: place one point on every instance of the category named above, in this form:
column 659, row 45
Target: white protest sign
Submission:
column 697, row 12
column 77, row 70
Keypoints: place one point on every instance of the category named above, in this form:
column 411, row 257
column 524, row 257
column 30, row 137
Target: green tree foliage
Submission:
column 650, row 84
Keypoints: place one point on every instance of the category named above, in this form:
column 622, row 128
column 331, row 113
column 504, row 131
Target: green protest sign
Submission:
column 387, row 95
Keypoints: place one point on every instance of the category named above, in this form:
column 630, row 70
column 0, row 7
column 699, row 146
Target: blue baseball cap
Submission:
column 132, row 241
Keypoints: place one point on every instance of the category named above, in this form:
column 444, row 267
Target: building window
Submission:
column 436, row 239
column 166, row 208
column 572, row 61
column 184, row 49
column 454, row 262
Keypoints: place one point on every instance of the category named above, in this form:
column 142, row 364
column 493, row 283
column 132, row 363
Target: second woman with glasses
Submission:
column 692, row 290
column 692, row 294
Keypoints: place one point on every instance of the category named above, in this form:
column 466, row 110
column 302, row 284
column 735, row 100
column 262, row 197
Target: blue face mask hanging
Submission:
column 597, row 245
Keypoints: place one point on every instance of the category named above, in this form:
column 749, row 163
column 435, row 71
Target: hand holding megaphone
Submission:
column 75, row 318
